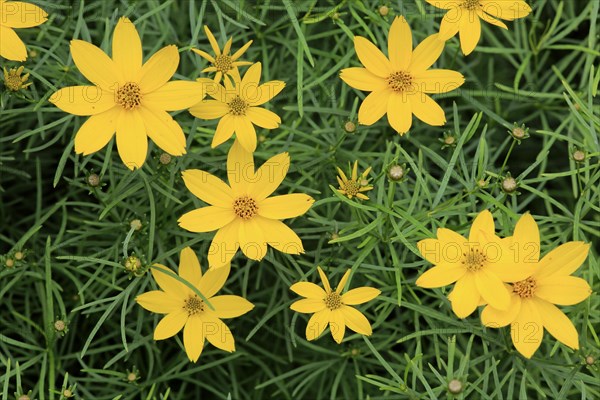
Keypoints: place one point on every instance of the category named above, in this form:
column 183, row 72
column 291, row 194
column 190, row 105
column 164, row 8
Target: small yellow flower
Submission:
column 479, row 266
column 333, row 308
column 400, row 83
column 185, row 310
column 13, row 79
column 242, row 212
column 532, row 302
column 128, row 97
column 465, row 16
column 17, row 14
column 237, row 107
column 223, row 63
column 354, row 186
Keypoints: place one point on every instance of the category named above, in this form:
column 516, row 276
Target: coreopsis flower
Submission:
column 242, row 212
column 128, row 97
column 479, row 266
column 236, row 104
column 465, row 16
column 533, row 300
column 356, row 185
column 16, row 15
column 14, row 81
column 332, row 307
column 400, row 83
column 185, row 310
column 223, row 63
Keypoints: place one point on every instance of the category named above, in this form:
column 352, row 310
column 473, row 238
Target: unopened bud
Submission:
column 9, row 263
column 93, row 180
column 579, row 156
column 455, row 386
column 384, row 10
column 165, row 158
column 136, row 224
column 59, row 325
column 350, row 126
column 396, row 173
column 509, row 184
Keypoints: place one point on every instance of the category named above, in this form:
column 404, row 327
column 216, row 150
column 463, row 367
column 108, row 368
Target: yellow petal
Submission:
column 484, row 222
column 557, row 323
column 224, row 245
column 224, row 130
column 308, row 306
column 240, row 168
column 442, row 275
column 96, row 66
column 217, row 333
column 470, row 31
column 212, row 40
column 11, row 47
column 449, row 237
column 132, row 141
column 127, row 49
column 228, row 306
column 280, row 236
column 356, row 321
column 494, row 318
column 269, row 176
column 526, row 241
column 96, row 132
column 206, row 56
column 362, row 79
column 450, row 24
column 563, row 290
column 252, row 239
column 431, row 250
column 159, row 69
column 400, row 44
column 83, row 100
column 506, row 9
column 563, row 260
column 193, row 338
column 249, row 84
column 317, row 324
column 170, row 324
column 374, row 106
column 209, row 109
column 399, row 112
column 337, row 325
column 465, row 296
column 163, row 130
column 189, row 266
column 208, row 188
column 491, row 20
column 426, row 53
column 166, row 282
column 528, row 330
column 427, row 110
column 227, row 46
column 438, row 81
column 492, row 289
column 308, row 290
column 360, row 295
column 265, row 92
column 158, row 301
column 241, row 51
column 213, row 280
column 324, row 279
column 19, row 14
column 206, row 219
column 372, row 58
column 263, row 117
column 175, row 95
column 285, row 206
column 245, row 132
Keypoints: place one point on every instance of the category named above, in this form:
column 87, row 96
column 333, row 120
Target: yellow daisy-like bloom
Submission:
column 128, row 97
column 242, row 212
column 479, row 266
column 354, row 186
column 465, row 16
column 14, row 81
column 186, row 310
column 532, row 306
column 400, row 84
column 17, row 14
column 237, row 106
column 333, row 308
column 223, row 63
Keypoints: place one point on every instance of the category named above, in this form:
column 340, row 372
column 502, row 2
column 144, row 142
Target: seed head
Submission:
column 165, row 159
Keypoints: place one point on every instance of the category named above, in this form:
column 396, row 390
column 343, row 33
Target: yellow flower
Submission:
column 333, row 308
column 128, row 97
column 14, row 81
column 223, row 63
column 237, row 106
column 479, row 266
column 399, row 84
column 356, row 185
column 465, row 16
column 185, row 310
column 532, row 306
column 17, row 14
column 242, row 212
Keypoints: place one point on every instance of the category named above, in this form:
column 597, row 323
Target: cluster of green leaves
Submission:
column 542, row 73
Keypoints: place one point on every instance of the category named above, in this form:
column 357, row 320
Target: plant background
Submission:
column 543, row 72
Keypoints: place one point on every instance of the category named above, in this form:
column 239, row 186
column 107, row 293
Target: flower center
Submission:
column 471, row 5
column 351, row 188
column 193, row 305
column 237, row 106
column 129, row 96
column 400, row 81
column 474, row 260
column 333, row 301
column 525, row 289
column 245, row 207
column 223, row 63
